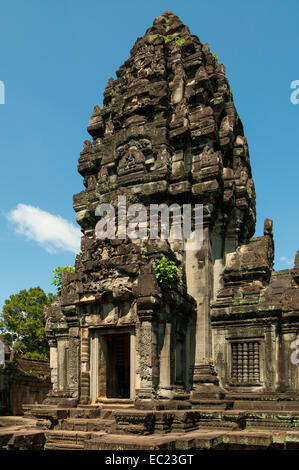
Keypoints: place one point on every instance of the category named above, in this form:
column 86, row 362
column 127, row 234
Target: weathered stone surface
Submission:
column 222, row 337
column 21, row 381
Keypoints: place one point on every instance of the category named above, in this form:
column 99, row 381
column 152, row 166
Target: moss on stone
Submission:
column 167, row 24
column 245, row 267
column 174, row 37
column 244, row 302
column 255, row 239
column 154, row 37
column 151, row 178
column 216, row 58
column 283, row 272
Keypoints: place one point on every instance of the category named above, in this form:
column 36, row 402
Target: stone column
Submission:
column 165, row 365
column 147, row 304
column 62, row 365
column 200, row 284
column 73, row 362
column 287, row 369
column 132, row 364
column 102, row 366
column 218, row 245
column 53, row 364
column 84, row 366
column 146, row 357
column 94, row 365
column 188, row 355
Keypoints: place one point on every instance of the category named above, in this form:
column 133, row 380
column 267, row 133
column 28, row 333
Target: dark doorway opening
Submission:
column 118, row 366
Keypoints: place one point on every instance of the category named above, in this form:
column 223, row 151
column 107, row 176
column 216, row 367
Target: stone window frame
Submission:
column 261, row 341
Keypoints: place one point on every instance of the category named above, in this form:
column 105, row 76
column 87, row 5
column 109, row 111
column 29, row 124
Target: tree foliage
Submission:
column 57, row 276
column 22, row 323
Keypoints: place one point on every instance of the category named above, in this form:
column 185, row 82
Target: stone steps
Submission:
column 129, row 442
column 115, row 403
column 107, row 406
column 197, row 440
column 266, row 401
column 88, row 425
column 85, row 413
column 210, row 426
column 172, row 421
column 172, row 429
column 265, row 405
column 66, row 440
column 203, row 403
column 146, row 422
column 248, row 419
column 13, row 421
column 21, row 439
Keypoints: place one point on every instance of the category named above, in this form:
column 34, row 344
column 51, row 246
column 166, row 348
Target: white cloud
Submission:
column 288, row 262
column 52, row 232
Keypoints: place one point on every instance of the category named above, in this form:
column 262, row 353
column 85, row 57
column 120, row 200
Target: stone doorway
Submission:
column 118, row 366
column 112, row 364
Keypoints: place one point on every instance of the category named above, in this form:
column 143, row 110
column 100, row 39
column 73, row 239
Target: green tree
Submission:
column 57, row 276
column 22, row 323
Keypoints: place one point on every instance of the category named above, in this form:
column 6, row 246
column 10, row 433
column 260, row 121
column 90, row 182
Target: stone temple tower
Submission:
column 168, row 132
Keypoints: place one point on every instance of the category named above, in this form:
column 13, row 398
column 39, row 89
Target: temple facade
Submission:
column 169, row 133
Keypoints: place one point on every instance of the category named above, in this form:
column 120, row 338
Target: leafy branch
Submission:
column 57, row 276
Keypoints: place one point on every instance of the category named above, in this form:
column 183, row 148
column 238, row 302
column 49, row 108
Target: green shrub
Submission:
column 166, row 272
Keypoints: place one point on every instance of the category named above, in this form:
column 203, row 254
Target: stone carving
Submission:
column 132, row 155
column 169, row 131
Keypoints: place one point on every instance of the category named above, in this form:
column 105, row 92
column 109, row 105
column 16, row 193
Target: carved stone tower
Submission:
column 168, row 132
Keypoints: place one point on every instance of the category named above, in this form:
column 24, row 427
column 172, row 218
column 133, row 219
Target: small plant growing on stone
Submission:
column 166, row 272
column 167, row 24
column 57, row 276
column 216, row 58
column 180, row 41
column 176, row 38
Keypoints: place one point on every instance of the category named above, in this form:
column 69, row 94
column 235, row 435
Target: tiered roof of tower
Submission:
column 169, row 130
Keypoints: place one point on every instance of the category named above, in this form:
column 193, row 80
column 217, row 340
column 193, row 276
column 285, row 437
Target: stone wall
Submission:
column 255, row 320
column 22, row 381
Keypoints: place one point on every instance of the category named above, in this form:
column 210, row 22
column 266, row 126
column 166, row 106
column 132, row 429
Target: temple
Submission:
column 222, row 338
column 168, row 132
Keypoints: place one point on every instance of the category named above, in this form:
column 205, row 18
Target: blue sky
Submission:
column 55, row 60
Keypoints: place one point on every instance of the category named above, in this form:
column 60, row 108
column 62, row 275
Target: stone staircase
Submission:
column 18, row 433
column 238, row 424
